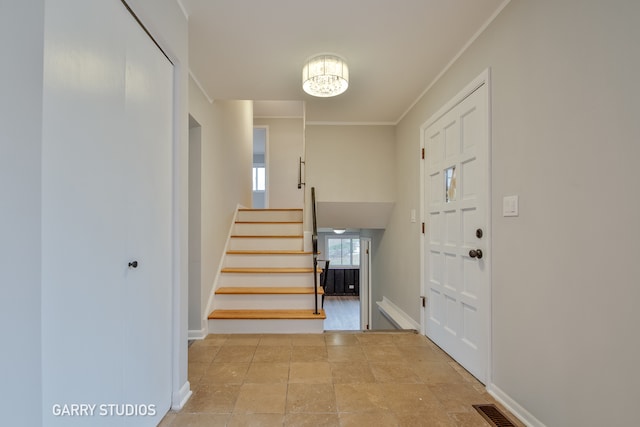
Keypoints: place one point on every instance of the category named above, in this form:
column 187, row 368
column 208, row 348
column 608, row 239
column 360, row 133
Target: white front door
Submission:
column 456, row 250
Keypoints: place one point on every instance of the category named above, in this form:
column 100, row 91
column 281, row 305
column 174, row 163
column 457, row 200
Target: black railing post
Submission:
column 315, row 283
column 314, row 244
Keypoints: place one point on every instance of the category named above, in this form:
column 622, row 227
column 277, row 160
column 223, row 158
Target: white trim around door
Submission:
column 365, row 283
column 455, row 281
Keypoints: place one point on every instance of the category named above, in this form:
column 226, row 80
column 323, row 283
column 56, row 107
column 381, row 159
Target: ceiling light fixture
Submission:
column 325, row 75
column 339, row 230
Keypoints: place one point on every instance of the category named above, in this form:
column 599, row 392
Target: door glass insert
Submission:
column 450, row 184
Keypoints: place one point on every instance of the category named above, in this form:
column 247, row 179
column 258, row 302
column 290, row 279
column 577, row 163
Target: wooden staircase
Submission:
column 266, row 283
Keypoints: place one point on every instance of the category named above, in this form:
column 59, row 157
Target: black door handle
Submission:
column 133, row 264
column 475, row 253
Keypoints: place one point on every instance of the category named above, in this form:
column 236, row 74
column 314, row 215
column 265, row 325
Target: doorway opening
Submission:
column 260, row 175
column 195, row 322
column 347, row 288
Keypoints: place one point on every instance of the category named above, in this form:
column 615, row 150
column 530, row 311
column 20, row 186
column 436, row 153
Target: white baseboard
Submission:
column 395, row 315
column 181, row 397
column 514, row 407
column 197, row 334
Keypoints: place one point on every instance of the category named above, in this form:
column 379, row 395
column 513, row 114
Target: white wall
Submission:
column 353, row 170
column 565, row 131
column 358, row 164
column 285, row 147
column 195, row 232
column 259, row 200
column 20, row 191
column 226, row 129
column 351, row 163
column 22, row 31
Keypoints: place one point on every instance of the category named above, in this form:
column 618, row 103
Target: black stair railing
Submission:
column 324, row 277
column 314, row 245
column 300, row 183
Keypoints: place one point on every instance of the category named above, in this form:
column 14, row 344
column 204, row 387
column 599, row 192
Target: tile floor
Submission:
column 332, row 379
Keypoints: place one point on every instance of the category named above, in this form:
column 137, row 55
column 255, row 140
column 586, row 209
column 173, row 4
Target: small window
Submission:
column 343, row 251
column 450, row 184
column 259, row 178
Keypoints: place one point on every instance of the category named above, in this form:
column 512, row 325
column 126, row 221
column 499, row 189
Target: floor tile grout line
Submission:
column 397, row 342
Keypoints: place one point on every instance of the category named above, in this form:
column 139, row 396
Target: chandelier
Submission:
column 325, row 75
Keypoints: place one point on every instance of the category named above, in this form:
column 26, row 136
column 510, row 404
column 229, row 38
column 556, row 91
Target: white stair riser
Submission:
column 270, row 215
column 265, row 244
column 269, row 261
column 267, row 223
column 265, row 302
column 266, row 279
column 267, row 229
column 266, row 326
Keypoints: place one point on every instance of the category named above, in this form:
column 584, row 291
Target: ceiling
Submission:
column 255, row 50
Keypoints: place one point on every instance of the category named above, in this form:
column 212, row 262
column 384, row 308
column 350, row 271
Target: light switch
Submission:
column 510, row 206
column 413, row 215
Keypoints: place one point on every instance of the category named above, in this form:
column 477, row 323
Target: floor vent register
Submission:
column 493, row 416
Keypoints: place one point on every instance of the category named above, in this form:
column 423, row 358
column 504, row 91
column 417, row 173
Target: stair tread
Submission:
column 269, row 222
column 268, row 236
column 267, row 290
column 256, row 233
column 270, row 210
column 269, row 270
column 267, row 314
column 268, row 252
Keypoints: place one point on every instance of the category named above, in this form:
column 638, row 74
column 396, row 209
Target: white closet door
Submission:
column 83, row 223
column 147, row 293
column 107, row 146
